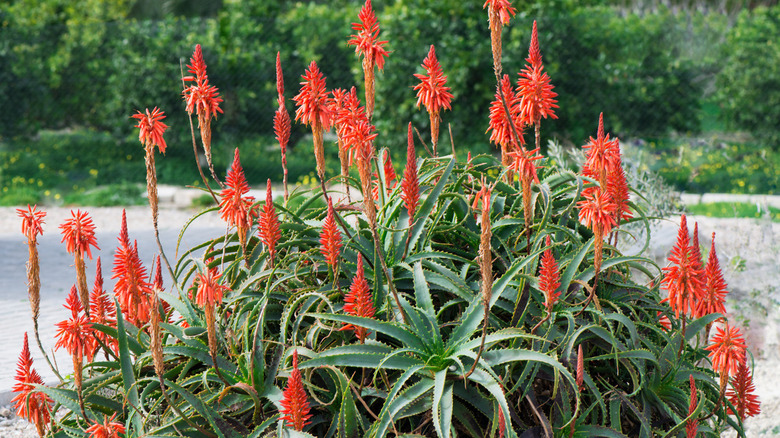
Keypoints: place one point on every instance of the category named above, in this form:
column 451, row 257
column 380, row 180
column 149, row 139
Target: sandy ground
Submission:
column 749, row 252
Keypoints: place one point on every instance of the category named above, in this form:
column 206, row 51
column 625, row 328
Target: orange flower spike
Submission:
column 313, row 109
column 151, row 129
column 101, row 309
column 32, row 226
column 197, row 66
column 692, row 426
column 727, row 350
column 32, row 405
column 715, row 289
column 697, row 265
column 617, row 187
column 74, row 334
column 109, row 428
column 78, row 233
column 664, row 321
column 32, row 222
column 367, row 45
column 235, row 208
column 742, row 393
column 597, row 211
column 279, row 81
column 209, row 289
column 366, row 41
column 521, row 161
column 295, row 406
column 201, row 98
column 549, row 277
column 410, row 187
column 269, row 223
column 681, row 277
column 535, row 89
column 132, row 287
column 500, row 126
column 602, row 155
column 359, row 301
column 351, row 115
column 158, row 278
column 503, row 8
column 330, row 238
column 432, row 93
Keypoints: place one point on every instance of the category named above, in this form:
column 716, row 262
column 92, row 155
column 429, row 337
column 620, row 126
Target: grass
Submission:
column 733, row 210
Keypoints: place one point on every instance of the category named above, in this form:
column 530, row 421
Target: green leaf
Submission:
column 393, row 407
column 442, row 404
column 128, row 374
column 427, row 207
column 396, row 331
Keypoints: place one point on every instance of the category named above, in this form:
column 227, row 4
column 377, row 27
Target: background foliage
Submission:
column 86, row 67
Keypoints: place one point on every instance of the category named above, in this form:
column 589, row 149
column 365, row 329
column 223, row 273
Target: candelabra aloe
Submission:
column 460, row 301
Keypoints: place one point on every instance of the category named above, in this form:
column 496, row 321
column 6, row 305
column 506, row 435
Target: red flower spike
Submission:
column 350, row 119
column 714, row 297
column 101, row 309
column 132, row 287
column 500, row 122
column 269, row 223
column 682, row 278
column 32, row 405
column 359, row 301
column 282, row 128
column 295, row 406
column 617, row 187
column 504, row 9
column 75, row 334
column 209, row 290
column 580, row 368
column 78, row 233
column 664, row 321
column 602, row 155
column 32, row 221
column 235, row 208
column 727, row 350
column 366, row 41
column 410, row 187
column 431, row 91
column 534, row 87
column 109, row 428
column 549, row 277
column 158, row 278
column 501, row 423
column 597, row 211
column 522, row 163
column 279, row 81
column 151, row 129
column 201, row 98
column 692, row 426
column 330, row 238
column 742, row 393
column 197, row 66
column 312, row 100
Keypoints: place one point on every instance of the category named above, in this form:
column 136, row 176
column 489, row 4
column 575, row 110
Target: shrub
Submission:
column 749, row 82
column 466, row 297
